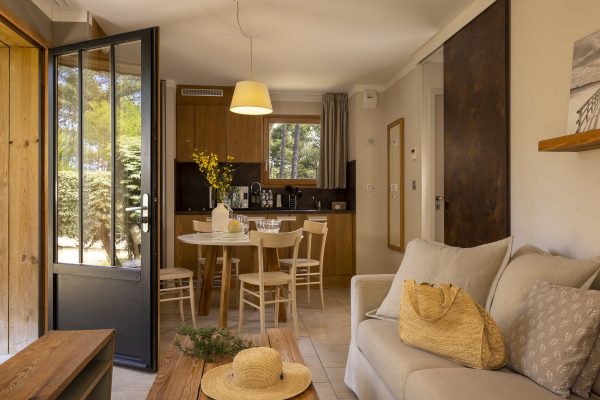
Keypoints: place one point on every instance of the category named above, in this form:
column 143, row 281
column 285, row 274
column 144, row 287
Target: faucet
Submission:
column 317, row 203
column 252, row 186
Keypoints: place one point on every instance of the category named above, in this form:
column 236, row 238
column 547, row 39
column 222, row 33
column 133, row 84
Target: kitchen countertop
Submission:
column 268, row 210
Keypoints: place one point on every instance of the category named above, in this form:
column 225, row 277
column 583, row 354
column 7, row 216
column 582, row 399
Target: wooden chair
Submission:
column 205, row 227
column 176, row 276
column 275, row 280
column 305, row 275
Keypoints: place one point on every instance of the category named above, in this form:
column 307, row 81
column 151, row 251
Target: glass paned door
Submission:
column 103, row 99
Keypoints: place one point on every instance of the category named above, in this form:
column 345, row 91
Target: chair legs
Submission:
column 322, row 298
column 294, row 311
column 308, row 284
column 241, row 296
column 180, row 300
column 192, row 301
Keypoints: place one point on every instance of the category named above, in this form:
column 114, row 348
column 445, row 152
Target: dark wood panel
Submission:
column 185, row 141
column 476, row 120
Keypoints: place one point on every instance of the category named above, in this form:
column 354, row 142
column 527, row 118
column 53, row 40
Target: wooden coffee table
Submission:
column 179, row 375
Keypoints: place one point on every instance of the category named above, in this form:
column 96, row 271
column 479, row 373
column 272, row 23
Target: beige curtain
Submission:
column 334, row 141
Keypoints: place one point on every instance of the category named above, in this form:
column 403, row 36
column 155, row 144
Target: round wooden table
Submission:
column 213, row 242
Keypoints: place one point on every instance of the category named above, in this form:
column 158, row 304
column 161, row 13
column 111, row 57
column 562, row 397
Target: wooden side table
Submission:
column 180, row 375
column 61, row 365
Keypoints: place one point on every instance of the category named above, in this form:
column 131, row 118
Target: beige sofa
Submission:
column 381, row 367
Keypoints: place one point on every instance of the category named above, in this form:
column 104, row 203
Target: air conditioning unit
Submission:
column 202, row 92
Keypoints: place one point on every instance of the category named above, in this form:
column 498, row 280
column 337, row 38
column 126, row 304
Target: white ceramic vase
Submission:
column 220, row 218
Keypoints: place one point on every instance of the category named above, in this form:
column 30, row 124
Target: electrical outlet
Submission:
column 370, row 187
column 394, row 187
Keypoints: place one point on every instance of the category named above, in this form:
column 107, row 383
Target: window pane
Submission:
column 97, row 163
column 128, row 158
column 67, row 163
column 294, row 150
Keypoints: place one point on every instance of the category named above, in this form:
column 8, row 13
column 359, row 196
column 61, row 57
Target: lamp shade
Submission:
column 251, row 98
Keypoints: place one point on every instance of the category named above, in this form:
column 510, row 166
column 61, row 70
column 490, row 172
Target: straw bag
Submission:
column 445, row 320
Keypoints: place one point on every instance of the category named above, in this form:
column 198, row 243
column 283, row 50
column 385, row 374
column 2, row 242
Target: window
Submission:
column 292, row 148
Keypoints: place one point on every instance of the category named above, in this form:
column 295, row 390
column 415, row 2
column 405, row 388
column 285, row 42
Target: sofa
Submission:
column 380, row 366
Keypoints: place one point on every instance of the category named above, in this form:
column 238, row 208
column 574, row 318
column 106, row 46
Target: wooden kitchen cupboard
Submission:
column 200, row 128
column 204, row 123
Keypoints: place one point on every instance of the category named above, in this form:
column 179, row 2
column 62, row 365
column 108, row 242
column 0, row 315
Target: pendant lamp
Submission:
column 250, row 97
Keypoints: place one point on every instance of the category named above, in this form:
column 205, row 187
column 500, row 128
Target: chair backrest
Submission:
column 268, row 240
column 316, row 228
column 202, row 226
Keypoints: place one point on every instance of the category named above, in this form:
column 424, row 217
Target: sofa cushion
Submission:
column 528, row 265
column 583, row 385
column 553, row 335
column 474, row 384
column 474, row 269
column 391, row 359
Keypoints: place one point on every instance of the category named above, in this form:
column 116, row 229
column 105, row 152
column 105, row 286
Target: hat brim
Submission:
column 218, row 383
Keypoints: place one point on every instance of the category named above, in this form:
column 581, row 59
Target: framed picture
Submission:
column 584, row 101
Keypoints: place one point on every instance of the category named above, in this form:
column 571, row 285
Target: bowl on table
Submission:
column 268, row 225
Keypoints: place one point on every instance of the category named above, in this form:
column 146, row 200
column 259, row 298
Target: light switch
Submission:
column 413, row 153
column 370, row 187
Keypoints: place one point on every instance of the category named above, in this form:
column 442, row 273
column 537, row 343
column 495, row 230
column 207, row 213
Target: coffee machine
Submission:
column 255, row 189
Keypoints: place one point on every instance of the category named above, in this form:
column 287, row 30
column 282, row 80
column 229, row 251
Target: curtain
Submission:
column 334, row 141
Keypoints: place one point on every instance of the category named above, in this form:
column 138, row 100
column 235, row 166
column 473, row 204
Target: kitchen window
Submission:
column 292, row 150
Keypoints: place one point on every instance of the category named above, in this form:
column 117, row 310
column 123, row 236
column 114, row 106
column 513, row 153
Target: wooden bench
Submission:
column 61, row 365
column 180, row 375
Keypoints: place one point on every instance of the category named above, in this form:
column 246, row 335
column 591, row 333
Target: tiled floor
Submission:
column 324, row 339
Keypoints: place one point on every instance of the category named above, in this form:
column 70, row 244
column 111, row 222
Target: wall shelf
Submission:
column 576, row 142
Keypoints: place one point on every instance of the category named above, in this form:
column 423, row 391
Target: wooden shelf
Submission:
column 576, row 142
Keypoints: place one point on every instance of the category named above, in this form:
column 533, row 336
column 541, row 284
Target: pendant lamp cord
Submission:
column 244, row 34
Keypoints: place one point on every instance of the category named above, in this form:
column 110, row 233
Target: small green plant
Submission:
column 210, row 344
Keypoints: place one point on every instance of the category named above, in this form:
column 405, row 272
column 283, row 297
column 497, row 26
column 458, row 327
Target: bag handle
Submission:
column 448, row 290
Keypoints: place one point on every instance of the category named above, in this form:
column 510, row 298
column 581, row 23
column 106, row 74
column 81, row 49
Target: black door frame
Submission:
column 147, row 276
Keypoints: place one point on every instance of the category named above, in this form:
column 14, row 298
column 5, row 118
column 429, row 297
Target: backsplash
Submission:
column 191, row 191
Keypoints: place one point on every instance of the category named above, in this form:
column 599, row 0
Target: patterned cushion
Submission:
column 589, row 373
column 553, row 336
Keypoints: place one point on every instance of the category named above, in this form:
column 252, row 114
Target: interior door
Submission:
column 476, row 130
column 103, row 154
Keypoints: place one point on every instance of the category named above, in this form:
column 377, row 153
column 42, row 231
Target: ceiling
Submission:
column 307, row 46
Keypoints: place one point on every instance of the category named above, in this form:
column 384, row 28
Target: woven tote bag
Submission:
column 445, row 320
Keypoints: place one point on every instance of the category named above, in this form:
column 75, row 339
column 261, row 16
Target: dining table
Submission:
column 214, row 242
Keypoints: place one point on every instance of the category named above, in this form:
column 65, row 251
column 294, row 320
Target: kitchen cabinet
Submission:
column 200, row 128
column 244, row 137
column 204, row 123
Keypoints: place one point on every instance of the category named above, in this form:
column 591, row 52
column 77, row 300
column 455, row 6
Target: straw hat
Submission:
column 256, row 373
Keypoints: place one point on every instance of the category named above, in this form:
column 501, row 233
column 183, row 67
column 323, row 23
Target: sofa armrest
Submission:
column 366, row 293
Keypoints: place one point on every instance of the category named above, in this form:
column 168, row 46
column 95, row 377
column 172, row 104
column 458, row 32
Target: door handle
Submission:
column 143, row 210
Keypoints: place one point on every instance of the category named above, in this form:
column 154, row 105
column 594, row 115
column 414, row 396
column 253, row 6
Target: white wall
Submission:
column 407, row 98
column 372, row 253
column 555, row 197
column 297, row 107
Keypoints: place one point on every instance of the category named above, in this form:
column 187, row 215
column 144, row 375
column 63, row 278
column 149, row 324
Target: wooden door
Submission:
column 244, row 137
column 210, row 129
column 476, row 123
column 185, row 133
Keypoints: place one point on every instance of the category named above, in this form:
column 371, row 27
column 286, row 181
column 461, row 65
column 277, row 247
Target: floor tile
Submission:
column 318, row 372
column 325, row 391
column 131, row 379
column 332, row 355
column 336, row 378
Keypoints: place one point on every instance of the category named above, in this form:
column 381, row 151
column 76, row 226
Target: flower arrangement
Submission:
column 211, row 343
column 218, row 174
